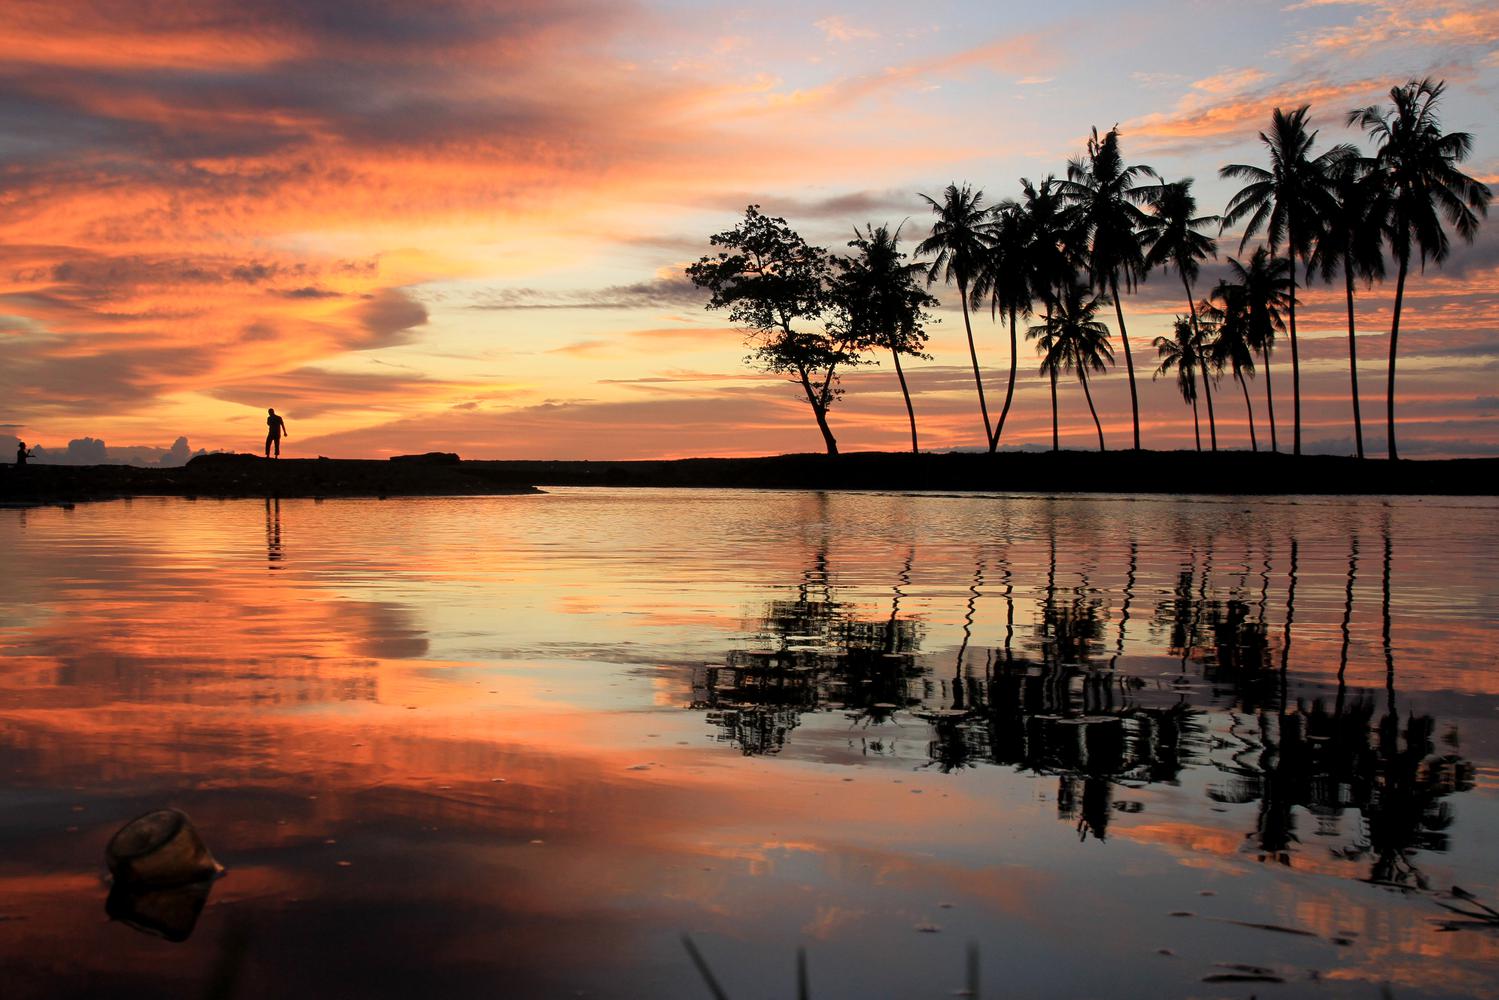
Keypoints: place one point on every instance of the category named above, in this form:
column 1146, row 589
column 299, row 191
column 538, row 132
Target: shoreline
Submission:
column 1145, row 472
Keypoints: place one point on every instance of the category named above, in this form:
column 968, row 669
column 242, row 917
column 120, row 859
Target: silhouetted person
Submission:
column 275, row 427
column 22, row 454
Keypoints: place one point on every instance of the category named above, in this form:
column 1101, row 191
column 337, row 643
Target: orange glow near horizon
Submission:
column 462, row 226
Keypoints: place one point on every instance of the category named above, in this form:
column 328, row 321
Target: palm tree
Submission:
column 1231, row 343
column 880, row 303
column 1007, row 283
column 1419, row 163
column 1289, row 201
column 1351, row 240
column 1172, row 230
column 1179, row 354
column 1103, row 195
column 959, row 241
column 1047, row 263
column 1266, row 289
column 1072, row 339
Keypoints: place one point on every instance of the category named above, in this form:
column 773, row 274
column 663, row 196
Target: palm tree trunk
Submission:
column 1082, row 376
column 1196, row 426
column 1254, row 444
column 1207, row 393
column 1129, row 361
column 905, row 392
column 1358, row 423
column 1055, row 446
column 1010, row 391
column 1295, row 356
column 1394, row 337
column 1270, row 402
column 1196, row 332
column 973, row 353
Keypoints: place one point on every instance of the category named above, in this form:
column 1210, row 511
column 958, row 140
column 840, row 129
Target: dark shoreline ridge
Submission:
column 1152, row 472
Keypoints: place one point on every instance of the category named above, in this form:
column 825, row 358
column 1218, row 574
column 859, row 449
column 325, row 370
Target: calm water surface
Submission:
column 518, row 746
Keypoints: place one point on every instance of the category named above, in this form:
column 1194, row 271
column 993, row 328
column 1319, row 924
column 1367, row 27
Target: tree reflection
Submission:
column 816, row 654
column 1047, row 699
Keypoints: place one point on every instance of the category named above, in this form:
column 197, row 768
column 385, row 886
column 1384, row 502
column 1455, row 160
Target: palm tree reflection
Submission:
column 1048, row 700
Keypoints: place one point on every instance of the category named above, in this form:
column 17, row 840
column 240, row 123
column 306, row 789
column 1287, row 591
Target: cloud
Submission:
column 389, row 316
column 310, row 392
column 837, row 29
column 663, row 291
column 1218, row 114
column 93, row 451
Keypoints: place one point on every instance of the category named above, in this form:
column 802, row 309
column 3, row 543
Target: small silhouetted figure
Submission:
column 22, row 454
column 275, row 428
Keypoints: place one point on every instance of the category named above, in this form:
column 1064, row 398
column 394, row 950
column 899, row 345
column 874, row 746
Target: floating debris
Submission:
column 162, row 872
column 160, row 849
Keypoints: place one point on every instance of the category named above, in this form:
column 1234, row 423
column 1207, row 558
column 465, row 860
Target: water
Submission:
column 518, row 746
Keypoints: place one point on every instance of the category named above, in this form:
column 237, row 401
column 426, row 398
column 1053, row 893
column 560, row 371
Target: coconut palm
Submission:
column 880, row 302
column 1047, row 263
column 1173, row 232
column 1419, row 164
column 1288, row 201
column 1351, row 241
column 1073, row 340
column 1007, row 283
column 1179, row 355
column 1103, row 196
column 1266, row 289
column 1231, row 343
column 958, row 245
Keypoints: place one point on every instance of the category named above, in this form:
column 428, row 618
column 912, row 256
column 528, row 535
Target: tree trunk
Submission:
column 1207, row 394
column 1208, row 389
column 905, row 392
column 1358, row 423
column 1254, row 445
column 1196, row 426
column 1010, row 391
column 820, row 411
column 1082, row 376
column 1394, row 337
column 1270, row 403
column 1295, row 356
column 978, row 379
column 1129, row 361
column 1055, row 446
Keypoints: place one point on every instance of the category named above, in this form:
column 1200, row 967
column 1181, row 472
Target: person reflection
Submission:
column 273, row 532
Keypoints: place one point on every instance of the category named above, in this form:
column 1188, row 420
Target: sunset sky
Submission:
column 461, row 225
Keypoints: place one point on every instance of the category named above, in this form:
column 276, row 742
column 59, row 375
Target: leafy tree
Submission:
column 1419, row 164
column 773, row 283
column 958, row 244
column 1180, row 354
column 1288, row 201
column 1103, row 196
column 1173, row 231
column 879, row 302
column 1072, row 340
column 1351, row 241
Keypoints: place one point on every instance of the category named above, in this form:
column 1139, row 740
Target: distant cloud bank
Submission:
column 93, row 451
